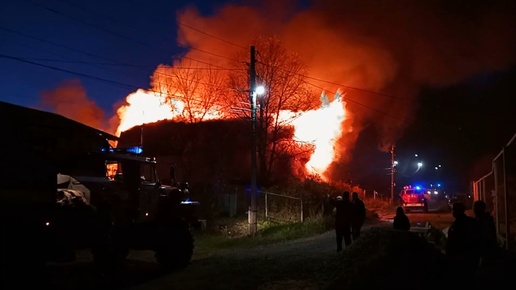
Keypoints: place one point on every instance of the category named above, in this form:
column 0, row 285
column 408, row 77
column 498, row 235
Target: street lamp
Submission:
column 253, row 92
column 259, row 90
column 253, row 208
column 393, row 164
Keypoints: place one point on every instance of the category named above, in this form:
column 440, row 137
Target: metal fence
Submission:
column 283, row 207
column 498, row 190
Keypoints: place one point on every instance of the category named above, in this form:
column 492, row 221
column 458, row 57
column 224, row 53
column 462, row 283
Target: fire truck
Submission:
column 64, row 187
column 414, row 198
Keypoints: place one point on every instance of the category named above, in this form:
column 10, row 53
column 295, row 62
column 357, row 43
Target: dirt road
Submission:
column 300, row 264
column 307, row 263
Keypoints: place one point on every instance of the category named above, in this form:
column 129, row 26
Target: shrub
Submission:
column 383, row 256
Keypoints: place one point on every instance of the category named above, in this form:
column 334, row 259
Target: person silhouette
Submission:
column 401, row 220
column 343, row 208
column 463, row 246
column 358, row 215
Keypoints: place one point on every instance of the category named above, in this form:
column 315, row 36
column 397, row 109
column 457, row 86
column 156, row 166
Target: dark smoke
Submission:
column 395, row 48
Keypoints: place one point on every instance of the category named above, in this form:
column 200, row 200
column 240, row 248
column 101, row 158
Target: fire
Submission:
column 321, row 127
column 144, row 107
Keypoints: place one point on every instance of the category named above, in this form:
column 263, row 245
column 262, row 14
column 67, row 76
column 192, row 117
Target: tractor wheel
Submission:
column 174, row 246
column 109, row 250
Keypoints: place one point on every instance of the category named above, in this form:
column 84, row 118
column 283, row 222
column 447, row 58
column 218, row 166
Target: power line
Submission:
column 89, row 24
column 210, row 35
column 363, row 105
column 118, row 34
column 308, row 77
column 58, row 45
column 195, row 29
column 67, row 71
column 83, row 62
column 135, row 87
column 122, row 64
column 97, row 78
column 355, row 88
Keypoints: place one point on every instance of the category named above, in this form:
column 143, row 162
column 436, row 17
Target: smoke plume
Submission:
column 394, row 48
column 69, row 99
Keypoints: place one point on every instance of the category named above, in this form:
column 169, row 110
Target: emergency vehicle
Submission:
column 414, row 198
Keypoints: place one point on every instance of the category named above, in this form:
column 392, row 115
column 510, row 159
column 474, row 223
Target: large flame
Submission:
column 320, row 127
column 144, row 107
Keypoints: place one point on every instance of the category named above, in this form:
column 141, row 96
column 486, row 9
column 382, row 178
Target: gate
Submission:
column 498, row 190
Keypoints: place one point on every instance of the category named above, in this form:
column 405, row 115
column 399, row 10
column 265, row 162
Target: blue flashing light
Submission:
column 135, row 150
column 438, row 185
column 108, row 149
column 132, row 150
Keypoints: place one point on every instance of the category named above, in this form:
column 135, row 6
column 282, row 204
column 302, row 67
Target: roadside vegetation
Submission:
column 224, row 233
column 233, row 232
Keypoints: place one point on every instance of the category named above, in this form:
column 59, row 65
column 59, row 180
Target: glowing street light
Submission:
column 259, row 90
column 254, row 91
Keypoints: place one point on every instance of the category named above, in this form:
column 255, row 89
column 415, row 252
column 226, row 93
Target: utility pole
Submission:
column 392, row 174
column 252, row 98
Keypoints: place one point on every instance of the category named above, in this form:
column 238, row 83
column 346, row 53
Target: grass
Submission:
column 231, row 233
column 394, row 258
column 227, row 233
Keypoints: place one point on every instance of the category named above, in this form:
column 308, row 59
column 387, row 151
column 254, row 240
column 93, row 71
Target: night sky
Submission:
column 435, row 78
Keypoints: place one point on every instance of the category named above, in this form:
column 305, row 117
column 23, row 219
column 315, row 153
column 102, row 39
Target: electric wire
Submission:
column 193, row 48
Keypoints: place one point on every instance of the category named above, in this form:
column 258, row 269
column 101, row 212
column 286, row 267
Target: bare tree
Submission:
column 283, row 75
column 194, row 92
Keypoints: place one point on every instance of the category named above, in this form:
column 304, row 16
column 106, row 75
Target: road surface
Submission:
column 301, row 264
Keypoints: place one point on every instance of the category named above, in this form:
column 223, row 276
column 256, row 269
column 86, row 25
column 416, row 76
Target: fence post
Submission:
column 266, row 207
column 302, row 211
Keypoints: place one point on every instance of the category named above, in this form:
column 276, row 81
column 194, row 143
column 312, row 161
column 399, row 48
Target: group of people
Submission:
column 472, row 241
column 350, row 215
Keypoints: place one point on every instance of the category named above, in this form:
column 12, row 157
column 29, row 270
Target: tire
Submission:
column 108, row 249
column 175, row 246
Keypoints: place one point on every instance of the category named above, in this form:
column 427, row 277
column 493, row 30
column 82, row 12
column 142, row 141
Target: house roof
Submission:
column 16, row 117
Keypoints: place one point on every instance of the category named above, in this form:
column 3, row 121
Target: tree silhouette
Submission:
column 195, row 92
column 287, row 94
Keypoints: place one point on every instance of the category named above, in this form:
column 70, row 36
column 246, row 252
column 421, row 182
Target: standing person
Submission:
column 401, row 220
column 488, row 236
column 462, row 246
column 489, row 249
column 358, row 215
column 343, row 210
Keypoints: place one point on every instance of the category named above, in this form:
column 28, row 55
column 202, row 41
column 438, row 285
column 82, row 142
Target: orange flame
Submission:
column 321, row 127
column 144, row 107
